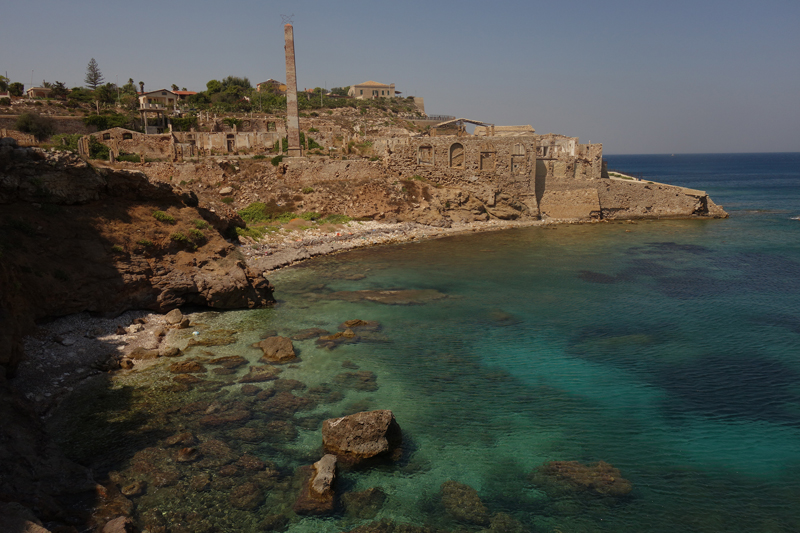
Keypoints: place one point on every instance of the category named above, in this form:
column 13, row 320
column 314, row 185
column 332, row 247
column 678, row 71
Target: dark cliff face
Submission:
column 74, row 238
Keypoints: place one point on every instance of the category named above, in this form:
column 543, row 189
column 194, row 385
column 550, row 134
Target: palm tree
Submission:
column 141, row 86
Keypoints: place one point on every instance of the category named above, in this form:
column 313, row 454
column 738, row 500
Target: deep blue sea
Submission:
column 668, row 349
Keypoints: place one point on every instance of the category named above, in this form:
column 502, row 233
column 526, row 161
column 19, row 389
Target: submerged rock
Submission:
column 258, row 374
column 188, row 455
column 389, row 297
column 330, row 342
column 134, row 489
column 187, row 367
column 363, row 380
column 184, row 439
column 358, row 324
column 316, row 495
column 284, row 385
column 284, row 404
column 247, row 496
column 310, row 333
column 216, row 337
column 571, row 476
column 462, row 503
column 276, row 349
column 248, row 434
column 250, row 390
column 362, row 435
column 364, row 504
column 229, row 361
column 251, row 462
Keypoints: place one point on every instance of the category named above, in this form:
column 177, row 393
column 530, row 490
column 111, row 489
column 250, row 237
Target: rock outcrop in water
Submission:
column 362, row 436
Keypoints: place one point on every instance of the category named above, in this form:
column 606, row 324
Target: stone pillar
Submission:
column 292, row 120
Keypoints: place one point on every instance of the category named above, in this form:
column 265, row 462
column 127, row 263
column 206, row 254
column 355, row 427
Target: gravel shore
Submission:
column 286, row 248
column 70, row 350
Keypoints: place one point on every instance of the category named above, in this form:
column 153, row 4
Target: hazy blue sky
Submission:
column 640, row 77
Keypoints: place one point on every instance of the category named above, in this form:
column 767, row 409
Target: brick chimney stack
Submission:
column 292, row 120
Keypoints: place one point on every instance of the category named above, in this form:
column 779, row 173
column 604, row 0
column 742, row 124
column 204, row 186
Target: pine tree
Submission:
column 94, row 77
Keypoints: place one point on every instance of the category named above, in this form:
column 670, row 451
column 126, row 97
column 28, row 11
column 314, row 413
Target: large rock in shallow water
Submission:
column 362, row 435
column 276, row 349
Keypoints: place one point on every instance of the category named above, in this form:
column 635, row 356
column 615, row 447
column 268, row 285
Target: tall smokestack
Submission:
column 292, row 121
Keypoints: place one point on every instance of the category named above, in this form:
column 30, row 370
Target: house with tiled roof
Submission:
column 372, row 89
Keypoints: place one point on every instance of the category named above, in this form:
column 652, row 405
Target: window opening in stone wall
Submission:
column 271, row 126
column 517, row 164
column 425, row 155
column 106, row 136
column 519, row 149
column 457, row 155
column 488, row 160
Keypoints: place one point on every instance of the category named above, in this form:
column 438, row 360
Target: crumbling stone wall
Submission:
column 153, row 146
column 206, row 143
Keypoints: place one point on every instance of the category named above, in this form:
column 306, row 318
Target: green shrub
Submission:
column 253, row 233
column 117, row 249
column 130, row 158
column 184, row 123
column 335, row 219
column 201, row 224
column 276, row 160
column 310, row 215
column 179, row 237
column 145, row 242
column 259, row 156
column 5, row 101
column 196, row 235
column 97, row 150
column 283, row 218
column 307, row 190
column 255, row 212
column 161, row 216
column 232, row 121
column 227, row 200
column 106, row 121
column 66, row 141
column 38, row 126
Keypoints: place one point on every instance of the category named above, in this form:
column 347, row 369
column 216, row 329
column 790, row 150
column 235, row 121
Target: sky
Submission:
column 640, row 77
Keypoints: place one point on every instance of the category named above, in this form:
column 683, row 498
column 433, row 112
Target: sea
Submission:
column 668, row 350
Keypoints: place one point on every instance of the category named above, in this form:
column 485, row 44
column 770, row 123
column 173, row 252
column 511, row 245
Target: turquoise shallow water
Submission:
column 669, row 349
